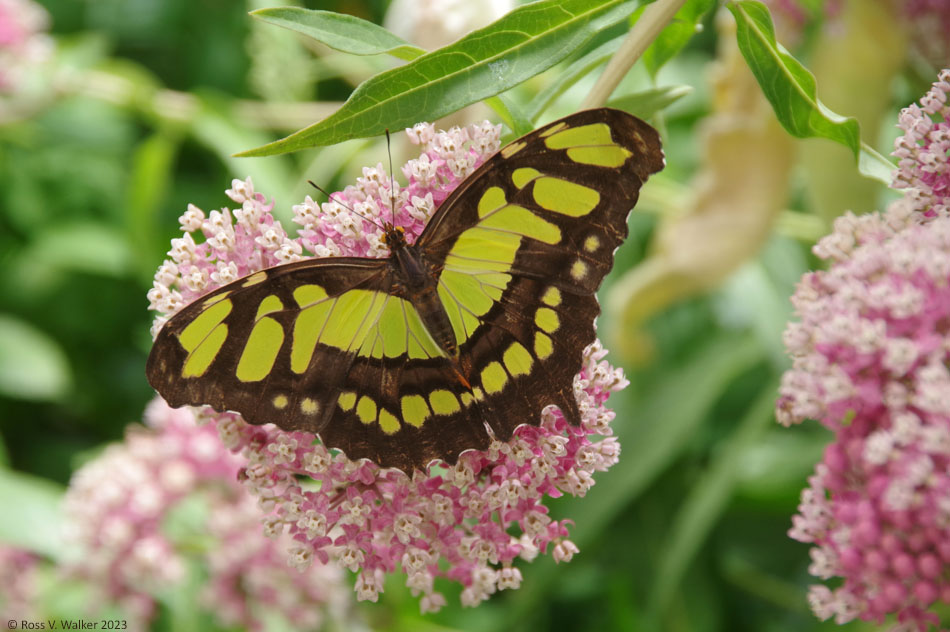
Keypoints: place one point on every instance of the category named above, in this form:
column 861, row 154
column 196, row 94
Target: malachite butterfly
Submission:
column 469, row 332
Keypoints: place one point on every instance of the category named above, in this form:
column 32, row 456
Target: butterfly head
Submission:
column 394, row 237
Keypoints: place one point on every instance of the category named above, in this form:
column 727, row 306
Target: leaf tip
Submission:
column 256, row 152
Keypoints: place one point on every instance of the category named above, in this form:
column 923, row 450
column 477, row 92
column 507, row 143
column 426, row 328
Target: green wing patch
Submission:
column 350, row 349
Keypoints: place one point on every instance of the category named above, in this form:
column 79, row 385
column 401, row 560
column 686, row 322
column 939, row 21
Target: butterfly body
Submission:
column 417, row 280
column 465, row 334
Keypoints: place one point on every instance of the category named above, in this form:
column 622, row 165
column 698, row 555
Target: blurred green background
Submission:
column 151, row 98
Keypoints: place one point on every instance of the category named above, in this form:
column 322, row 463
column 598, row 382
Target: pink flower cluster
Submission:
column 168, row 498
column 332, row 229
column 870, row 362
column 923, row 168
column 929, row 25
column 23, row 41
column 19, row 576
column 791, row 17
column 790, row 11
column 467, row 523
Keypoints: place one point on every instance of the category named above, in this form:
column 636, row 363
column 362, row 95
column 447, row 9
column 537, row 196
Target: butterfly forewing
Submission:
column 529, row 237
column 338, row 346
column 274, row 345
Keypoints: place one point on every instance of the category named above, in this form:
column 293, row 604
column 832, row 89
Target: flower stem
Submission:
column 654, row 18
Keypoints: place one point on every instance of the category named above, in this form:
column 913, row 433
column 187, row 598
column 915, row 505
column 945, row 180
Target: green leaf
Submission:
column 484, row 63
column 766, row 587
column 345, row 33
column 31, row 509
column 778, row 464
column 707, row 500
column 648, row 102
column 150, row 176
column 677, row 34
column 83, row 246
column 791, row 89
column 32, row 365
column 4, row 454
column 874, row 165
column 576, row 70
column 511, row 114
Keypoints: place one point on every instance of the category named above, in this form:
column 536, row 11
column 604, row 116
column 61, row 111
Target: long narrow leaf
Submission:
column 791, row 89
column 648, row 102
column 484, row 63
column 707, row 500
column 345, row 33
column 577, row 69
column 677, row 34
column 150, row 176
column 510, row 113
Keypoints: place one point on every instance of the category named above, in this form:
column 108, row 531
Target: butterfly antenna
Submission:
column 392, row 180
column 344, row 204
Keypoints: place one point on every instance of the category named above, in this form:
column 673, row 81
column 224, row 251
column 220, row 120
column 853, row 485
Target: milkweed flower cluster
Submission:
column 332, row 229
column 141, row 516
column 791, row 12
column 793, row 16
column 923, row 170
column 23, row 41
column 19, row 576
column 467, row 523
column 929, row 26
column 870, row 362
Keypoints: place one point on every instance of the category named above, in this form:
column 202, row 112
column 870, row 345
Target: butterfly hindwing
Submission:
column 338, row 347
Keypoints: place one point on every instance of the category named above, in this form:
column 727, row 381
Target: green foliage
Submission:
column 341, row 32
column 677, row 34
column 791, row 90
column 32, row 519
column 706, row 502
column 482, row 64
column 650, row 102
column 32, row 366
column 644, row 103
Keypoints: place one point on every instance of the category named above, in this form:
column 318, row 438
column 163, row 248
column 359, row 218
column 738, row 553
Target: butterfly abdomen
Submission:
column 420, row 284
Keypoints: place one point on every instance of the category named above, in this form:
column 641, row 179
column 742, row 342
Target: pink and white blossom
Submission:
column 119, row 514
column 928, row 22
column 24, row 42
column 20, row 578
column 870, row 352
